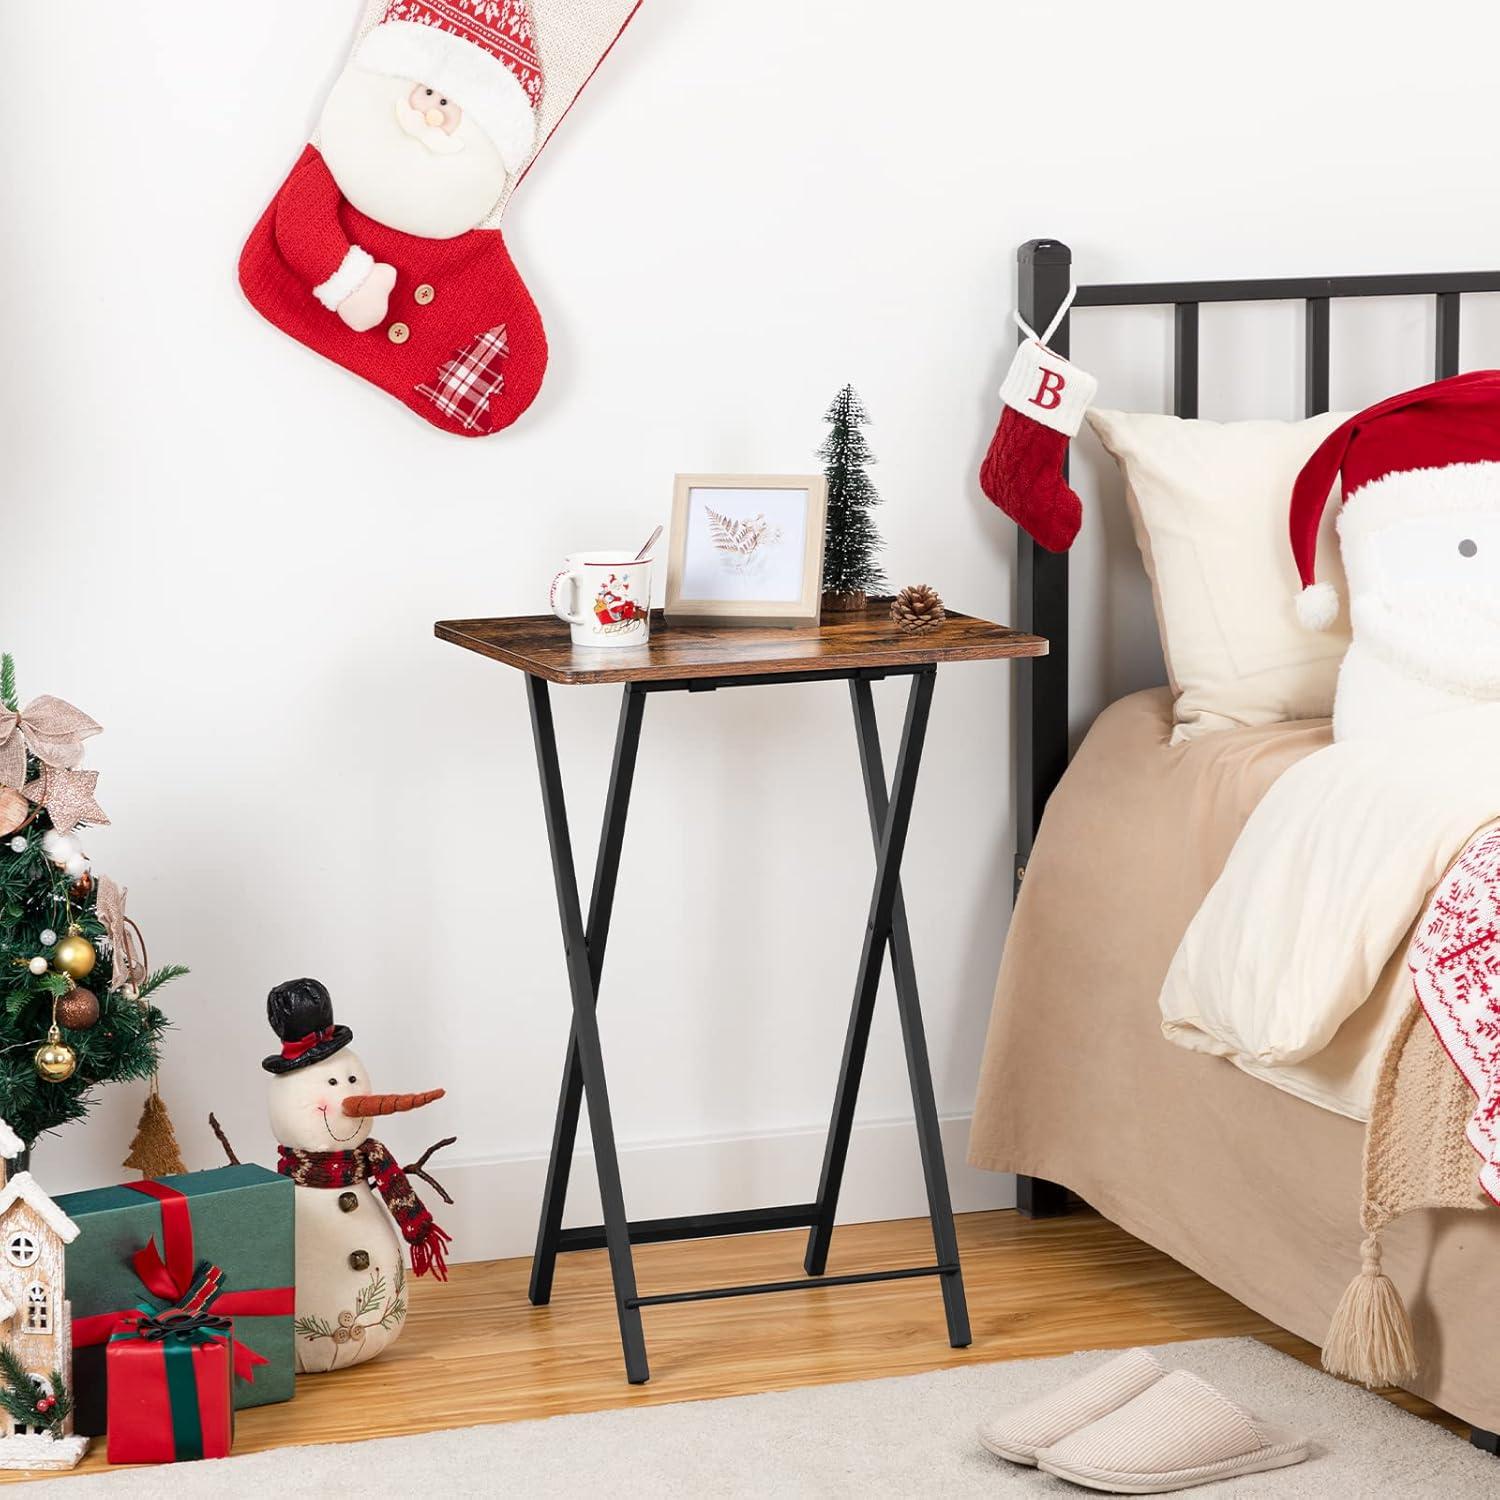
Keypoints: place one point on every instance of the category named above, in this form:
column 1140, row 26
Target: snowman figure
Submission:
column 1419, row 531
column 351, row 1273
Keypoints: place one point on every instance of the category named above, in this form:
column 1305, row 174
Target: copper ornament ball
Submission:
column 55, row 1060
column 75, row 956
column 78, row 1009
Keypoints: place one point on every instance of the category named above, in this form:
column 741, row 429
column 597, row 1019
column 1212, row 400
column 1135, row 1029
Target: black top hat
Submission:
column 301, row 1014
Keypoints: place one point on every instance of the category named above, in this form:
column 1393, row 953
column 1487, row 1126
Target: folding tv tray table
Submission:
column 859, row 648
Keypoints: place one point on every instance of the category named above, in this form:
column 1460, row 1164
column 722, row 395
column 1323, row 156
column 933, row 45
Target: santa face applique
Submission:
column 371, row 252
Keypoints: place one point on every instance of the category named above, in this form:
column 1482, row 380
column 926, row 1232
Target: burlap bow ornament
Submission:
column 50, row 729
column 127, row 950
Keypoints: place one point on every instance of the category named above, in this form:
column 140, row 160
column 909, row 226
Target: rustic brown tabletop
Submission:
column 540, row 646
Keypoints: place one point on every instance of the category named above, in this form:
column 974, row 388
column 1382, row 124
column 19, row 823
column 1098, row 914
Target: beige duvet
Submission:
column 1336, row 864
column 1255, row 1189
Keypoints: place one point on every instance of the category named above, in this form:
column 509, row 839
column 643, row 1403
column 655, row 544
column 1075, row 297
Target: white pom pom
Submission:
column 75, row 866
column 1318, row 606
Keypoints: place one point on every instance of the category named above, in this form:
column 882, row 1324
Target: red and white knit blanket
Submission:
column 1455, row 964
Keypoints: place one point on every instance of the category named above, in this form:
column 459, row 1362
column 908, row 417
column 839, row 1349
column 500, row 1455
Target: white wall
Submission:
column 232, row 554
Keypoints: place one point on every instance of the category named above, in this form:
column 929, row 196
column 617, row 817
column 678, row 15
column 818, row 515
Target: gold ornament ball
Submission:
column 78, row 1009
column 75, row 956
column 55, row 1060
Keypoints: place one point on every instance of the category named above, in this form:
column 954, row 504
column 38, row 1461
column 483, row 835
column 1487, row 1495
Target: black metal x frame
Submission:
column 583, row 1071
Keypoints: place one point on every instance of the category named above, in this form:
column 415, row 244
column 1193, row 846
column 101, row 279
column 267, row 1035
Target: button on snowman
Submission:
column 351, row 1272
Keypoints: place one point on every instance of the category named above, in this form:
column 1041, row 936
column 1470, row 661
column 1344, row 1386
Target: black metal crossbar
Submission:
column 1273, row 288
column 773, row 679
column 695, row 1226
column 802, row 1284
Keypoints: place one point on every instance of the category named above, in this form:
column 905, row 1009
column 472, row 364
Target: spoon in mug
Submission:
column 650, row 543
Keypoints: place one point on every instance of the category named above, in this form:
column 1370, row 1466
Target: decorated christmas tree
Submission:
column 75, row 990
column 850, row 571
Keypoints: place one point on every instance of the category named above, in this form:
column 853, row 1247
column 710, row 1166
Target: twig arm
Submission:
column 416, row 1168
column 218, row 1130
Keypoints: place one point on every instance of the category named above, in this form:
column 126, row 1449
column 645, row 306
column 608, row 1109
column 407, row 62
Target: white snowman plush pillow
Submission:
column 1420, row 536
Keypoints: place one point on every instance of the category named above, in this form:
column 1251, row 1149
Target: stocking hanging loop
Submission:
column 1046, row 338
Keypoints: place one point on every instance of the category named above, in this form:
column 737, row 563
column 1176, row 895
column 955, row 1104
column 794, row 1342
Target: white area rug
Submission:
column 908, row 1437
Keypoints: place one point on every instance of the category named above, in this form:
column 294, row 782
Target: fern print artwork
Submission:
column 745, row 544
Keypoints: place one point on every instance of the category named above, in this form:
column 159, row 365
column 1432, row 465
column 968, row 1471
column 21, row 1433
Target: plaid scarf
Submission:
column 372, row 1163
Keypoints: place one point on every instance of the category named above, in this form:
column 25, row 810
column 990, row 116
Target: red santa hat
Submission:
column 481, row 52
column 1425, row 452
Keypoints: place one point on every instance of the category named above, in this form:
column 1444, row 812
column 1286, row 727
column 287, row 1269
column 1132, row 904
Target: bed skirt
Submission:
column 1254, row 1189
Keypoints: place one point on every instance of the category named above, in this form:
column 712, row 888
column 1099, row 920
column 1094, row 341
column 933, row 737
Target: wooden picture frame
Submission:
column 746, row 549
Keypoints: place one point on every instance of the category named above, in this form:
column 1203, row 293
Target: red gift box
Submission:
column 171, row 1388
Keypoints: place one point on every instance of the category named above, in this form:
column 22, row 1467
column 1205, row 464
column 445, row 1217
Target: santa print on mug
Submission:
column 605, row 597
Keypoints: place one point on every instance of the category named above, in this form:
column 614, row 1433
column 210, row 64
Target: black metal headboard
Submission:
column 1046, row 273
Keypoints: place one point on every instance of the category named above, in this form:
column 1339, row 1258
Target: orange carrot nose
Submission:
column 388, row 1104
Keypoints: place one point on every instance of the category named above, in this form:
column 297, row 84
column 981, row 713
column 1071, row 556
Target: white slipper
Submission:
column 1177, row 1433
column 1018, row 1433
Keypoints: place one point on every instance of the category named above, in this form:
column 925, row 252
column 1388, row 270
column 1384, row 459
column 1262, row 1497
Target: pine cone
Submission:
column 918, row 608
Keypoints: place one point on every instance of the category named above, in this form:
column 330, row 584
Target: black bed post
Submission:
column 1044, row 276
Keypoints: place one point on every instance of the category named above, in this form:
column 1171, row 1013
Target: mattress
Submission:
column 1253, row 1187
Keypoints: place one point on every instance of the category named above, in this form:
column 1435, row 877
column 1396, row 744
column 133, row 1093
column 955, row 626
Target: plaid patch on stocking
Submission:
column 464, row 385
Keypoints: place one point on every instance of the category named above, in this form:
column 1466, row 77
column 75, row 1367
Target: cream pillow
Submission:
column 1209, row 504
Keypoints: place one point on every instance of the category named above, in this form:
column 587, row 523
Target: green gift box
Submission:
column 222, row 1242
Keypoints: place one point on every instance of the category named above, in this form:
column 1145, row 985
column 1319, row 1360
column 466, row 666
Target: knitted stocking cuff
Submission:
column 1048, row 389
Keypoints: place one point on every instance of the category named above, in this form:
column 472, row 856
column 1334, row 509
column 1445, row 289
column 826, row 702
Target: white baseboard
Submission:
column 494, row 1215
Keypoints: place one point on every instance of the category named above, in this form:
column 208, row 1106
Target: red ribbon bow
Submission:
column 291, row 1051
column 171, row 1280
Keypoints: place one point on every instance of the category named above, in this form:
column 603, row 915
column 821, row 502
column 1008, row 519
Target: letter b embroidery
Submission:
column 1049, row 390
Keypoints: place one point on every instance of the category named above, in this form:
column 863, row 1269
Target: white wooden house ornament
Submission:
column 35, row 1318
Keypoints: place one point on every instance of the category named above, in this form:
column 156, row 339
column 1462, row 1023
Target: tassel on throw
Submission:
column 1370, row 1338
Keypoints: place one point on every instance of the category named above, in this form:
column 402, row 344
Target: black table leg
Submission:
column 584, row 965
column 890, row 818
column 601, row 905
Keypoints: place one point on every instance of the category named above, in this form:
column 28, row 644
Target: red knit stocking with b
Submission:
column 1044, row 398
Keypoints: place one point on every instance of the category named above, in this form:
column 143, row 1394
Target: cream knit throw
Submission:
column 1416, row 1156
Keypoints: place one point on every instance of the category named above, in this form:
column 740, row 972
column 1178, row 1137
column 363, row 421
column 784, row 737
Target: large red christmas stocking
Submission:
column 382, row 250
column 1045, row 398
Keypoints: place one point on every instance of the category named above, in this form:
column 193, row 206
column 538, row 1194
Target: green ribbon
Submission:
column 182, row 1394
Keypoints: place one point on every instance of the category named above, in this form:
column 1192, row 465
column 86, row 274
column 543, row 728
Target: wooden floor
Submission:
column 475, row 1350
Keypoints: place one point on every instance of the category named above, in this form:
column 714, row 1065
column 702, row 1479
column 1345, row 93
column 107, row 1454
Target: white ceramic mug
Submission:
column 605, row 597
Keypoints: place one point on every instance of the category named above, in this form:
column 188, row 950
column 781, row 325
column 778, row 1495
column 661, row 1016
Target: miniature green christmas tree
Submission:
column 66, row 1025
column 850, row 571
